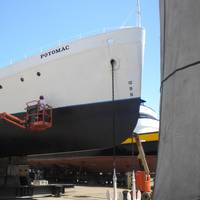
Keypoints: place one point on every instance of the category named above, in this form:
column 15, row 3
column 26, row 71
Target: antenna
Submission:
column 138, row 14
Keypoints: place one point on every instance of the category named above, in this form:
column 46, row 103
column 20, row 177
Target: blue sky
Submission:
column 26, row 26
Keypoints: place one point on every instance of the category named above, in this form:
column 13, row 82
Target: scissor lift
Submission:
column 37, row 117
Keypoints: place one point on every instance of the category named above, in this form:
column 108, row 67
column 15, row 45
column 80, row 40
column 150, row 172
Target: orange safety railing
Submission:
column 38, row 117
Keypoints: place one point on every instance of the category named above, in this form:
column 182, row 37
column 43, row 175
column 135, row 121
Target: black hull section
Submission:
column 75, row 128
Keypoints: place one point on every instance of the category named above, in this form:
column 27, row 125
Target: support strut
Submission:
column 13, row 119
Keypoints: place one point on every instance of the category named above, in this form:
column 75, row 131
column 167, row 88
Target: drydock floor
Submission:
column 79, row 193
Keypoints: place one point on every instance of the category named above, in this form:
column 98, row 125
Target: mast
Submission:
column 138, row 14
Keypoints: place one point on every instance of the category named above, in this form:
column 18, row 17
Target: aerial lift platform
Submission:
column 37, row 117
column 14, row 171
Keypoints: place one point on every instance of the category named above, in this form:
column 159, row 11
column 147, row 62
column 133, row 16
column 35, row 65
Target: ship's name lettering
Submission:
column 54, row 51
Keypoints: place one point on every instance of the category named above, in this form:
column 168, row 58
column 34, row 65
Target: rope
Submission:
column 179, row 69
column 114, row 132
column 114, row 117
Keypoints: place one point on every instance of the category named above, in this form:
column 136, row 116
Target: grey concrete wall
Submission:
column 178, row 170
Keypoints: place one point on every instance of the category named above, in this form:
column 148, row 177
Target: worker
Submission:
column 42, row 103
column 42, row 108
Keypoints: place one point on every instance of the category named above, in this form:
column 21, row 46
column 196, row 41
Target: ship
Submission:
column 89, row 83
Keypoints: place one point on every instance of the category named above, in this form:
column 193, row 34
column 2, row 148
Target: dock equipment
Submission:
column 142, row 177
column 15, row 180
column 37, row 117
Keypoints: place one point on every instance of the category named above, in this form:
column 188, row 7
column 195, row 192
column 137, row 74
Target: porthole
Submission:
column 1, row 87
column 22, row 79
column 38, row 74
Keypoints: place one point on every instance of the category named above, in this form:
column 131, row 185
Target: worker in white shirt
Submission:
column 42, row 107
column 42, row 103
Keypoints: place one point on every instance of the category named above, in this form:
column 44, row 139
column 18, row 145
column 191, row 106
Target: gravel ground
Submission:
column 81, row 193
